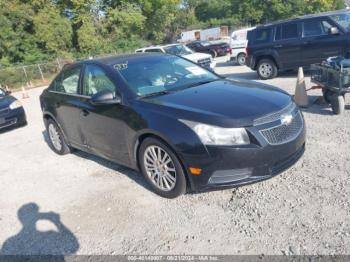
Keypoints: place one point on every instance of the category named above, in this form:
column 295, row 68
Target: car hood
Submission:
column 228, row 103
column 5, row 101
column 196, row 56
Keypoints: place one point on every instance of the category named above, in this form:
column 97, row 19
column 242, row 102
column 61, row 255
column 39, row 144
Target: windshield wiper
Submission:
column 160, row 93
column 199, row 83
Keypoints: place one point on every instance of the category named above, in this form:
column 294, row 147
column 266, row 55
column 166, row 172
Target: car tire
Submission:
column 241, row 59
column 56, row 139
column 267, row 69
column 166, row 179
column 213, row 53
column 338, row 104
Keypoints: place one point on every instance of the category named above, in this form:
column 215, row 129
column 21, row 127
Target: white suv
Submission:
column 204, row 60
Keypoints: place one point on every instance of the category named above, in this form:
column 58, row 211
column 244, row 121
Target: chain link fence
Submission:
column 29, row 76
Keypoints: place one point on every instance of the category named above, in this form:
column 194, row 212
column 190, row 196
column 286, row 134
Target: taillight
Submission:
column 229, row 50
column 247, row 51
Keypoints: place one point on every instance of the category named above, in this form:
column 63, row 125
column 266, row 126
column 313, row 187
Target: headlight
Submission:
column 15, row 104
column 214, row 135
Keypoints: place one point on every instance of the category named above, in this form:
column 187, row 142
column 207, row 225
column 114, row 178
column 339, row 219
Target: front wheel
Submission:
column 161, row 168
column 267, row 69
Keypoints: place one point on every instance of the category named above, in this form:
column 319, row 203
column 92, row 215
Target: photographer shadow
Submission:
column 30, row 241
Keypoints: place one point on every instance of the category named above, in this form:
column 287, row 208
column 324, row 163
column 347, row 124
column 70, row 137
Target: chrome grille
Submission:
column 276, row 115
column 204, row 62
column 4, row 111
column 282, row 134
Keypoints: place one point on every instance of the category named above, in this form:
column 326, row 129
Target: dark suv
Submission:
column 302, row 41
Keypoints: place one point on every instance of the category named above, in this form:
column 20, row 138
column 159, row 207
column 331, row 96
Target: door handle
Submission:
column 84, row 112
column 277, row 46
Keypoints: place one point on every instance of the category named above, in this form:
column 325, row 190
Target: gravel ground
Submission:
column 82, row 204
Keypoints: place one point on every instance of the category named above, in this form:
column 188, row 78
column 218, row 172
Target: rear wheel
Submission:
column 213, row 53
column 241, row 59
column 338, row 104
column 56, row 139
column 327, row 95
column 161, row 168
column 267, row 69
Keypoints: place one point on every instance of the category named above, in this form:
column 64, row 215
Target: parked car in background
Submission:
column 11, row 111
column 202, row 59
column 181, row 125
column 214, row 49
column 238, row 44
column 298, row 42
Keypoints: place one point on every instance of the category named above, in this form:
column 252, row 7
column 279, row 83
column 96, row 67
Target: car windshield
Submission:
column 178, row 50
column 343, row 19
column 153, row 75
column 2, row 92
column 205, row 43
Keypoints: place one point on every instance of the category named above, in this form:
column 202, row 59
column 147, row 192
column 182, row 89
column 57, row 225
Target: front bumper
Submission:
column 226, row 167
column 12, row 118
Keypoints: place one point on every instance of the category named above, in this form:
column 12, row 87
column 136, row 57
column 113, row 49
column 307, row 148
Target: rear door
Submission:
column 317, row 42
column 287, row 44
column 66, row 102
column 103, row 126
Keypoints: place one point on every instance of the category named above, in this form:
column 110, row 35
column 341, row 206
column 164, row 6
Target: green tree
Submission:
column 53, row 31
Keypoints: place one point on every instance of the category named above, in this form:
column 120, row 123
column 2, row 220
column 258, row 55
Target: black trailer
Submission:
column 333, row 76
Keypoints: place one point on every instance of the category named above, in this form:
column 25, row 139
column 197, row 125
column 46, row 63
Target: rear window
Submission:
column 287, row 31
column 263, row 35
column 153, row 50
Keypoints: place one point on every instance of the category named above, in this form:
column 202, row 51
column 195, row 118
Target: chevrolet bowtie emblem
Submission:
column 286, row 119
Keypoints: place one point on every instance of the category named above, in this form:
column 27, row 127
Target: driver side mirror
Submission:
column 333, row 31
column 105, row 97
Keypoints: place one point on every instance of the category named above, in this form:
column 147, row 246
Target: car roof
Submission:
column 323, row 14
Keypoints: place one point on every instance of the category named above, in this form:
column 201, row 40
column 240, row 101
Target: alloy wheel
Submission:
column 55, row 137
column 160, row 168
column 266, row 70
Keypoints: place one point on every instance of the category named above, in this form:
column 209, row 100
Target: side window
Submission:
column 316, row 28
column 95, row 80
column 278, row 34
column 68, row 81
column 263, row 35
column 289, row 31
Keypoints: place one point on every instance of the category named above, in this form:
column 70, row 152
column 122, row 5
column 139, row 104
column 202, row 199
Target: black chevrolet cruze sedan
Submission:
column 11, row 111
column 181, row 125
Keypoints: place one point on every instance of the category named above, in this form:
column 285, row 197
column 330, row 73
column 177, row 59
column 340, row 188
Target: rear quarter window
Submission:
column 263, row 35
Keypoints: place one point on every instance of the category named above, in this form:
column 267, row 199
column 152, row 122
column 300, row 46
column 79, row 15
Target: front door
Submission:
column 67, row 103
column 103, row 126
column 317, row 42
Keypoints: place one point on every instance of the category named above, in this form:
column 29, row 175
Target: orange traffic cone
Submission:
column 300, row 96
column 24, row 93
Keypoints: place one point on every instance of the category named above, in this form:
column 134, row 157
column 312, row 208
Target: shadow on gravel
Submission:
column 9, row 129
column 30, row 241
column 319, row 107
column 254, row 76
column 132, row 174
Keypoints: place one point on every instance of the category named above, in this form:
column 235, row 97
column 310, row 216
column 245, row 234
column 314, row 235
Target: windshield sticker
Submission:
column 196, row 70
column 121, row 66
